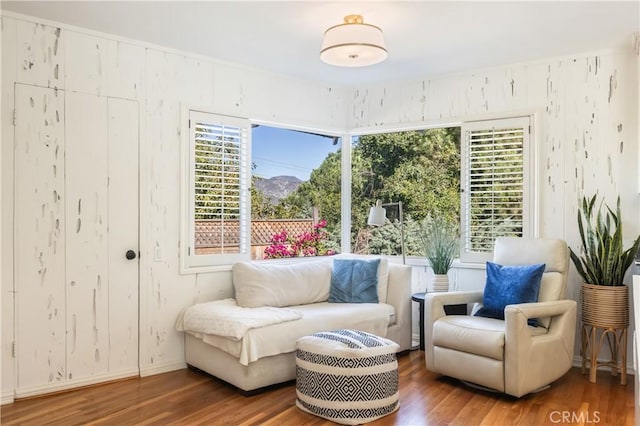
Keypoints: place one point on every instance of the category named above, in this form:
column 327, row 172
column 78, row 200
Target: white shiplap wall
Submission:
column 40, row 229
column 587, row 115
column 86, row 65
column 68, row 133
column 586, row 110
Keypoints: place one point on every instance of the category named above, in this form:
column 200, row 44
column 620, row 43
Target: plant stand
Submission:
column 605, row 316
column 593, row 338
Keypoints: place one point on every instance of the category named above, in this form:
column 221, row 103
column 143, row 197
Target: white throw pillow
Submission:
column 383, row 272
column 263, row 284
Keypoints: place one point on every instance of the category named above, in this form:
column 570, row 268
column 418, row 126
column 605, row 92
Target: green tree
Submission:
column 387, row 239
column 322, row 191
column 419, row 168
column 261, row 207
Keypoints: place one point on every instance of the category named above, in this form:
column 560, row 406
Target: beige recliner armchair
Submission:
column 507, row 355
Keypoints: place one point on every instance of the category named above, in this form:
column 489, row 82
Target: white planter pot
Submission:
column 440, row 283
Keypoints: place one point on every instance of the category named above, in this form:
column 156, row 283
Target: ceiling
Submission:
column 423, row 38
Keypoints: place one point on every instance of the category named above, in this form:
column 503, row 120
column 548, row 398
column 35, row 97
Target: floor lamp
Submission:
column 378, row 215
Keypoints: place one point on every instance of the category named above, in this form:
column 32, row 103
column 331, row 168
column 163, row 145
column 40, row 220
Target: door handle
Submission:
column 130, row 255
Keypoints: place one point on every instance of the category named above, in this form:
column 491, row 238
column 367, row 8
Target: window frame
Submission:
column 189, row 261
column 529, row 171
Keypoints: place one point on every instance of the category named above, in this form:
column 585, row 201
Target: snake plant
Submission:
column 603, row 259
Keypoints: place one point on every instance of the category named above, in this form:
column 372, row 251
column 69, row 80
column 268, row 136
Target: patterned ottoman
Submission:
column 347, row 376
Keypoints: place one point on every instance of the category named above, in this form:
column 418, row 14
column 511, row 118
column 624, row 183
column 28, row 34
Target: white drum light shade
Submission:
column 377, row 215
column 353, row 44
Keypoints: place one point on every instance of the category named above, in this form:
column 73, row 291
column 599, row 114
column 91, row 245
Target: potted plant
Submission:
column 440, row 242
column 602, row 264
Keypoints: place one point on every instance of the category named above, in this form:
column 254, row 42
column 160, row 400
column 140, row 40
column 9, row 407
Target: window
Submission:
column 421, row 169
column 217, row 168
column 295, row 193
column 496, row 187
column 477, row 177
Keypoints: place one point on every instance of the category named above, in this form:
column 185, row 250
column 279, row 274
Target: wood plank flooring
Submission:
column 187, row 397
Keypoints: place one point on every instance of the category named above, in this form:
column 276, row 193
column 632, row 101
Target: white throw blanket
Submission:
column 225, row 318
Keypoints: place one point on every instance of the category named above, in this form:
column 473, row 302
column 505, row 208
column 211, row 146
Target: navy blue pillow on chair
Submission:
column 508, row 285
column 354, row 281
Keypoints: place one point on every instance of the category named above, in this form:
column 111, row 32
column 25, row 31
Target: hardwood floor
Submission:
column 187, row 397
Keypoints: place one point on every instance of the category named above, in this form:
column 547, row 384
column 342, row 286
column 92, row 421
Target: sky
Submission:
column 278, row 152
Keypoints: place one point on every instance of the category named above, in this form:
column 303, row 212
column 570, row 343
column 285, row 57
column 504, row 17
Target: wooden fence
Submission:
column 210, row 234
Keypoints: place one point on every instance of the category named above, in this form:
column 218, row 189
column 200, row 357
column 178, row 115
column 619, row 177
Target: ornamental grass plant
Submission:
column 440, row 241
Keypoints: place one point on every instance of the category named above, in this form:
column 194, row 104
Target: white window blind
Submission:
column 219, row 216
column 495, row 186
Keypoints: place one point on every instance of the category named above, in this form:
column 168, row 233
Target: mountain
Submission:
column 277, row 187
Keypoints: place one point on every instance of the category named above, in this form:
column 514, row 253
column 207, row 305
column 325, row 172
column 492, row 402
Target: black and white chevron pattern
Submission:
column 336, row 361
column 358, row 415
column 347, row 376
column 332, row 387
column 353, row 339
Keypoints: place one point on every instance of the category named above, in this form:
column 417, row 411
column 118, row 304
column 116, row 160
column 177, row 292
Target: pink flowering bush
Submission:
column 306, row 244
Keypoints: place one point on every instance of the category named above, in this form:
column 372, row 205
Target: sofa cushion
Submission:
column 383, row 272
column 354, row 281
column 257, row 343
column 259, row 284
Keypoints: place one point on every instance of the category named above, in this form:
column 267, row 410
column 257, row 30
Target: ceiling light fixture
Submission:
column 353, row 44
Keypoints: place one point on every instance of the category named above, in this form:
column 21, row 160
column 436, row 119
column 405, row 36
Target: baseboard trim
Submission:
column 577, row 362
column 76, row 383
column 151, row 370
column 6, row 398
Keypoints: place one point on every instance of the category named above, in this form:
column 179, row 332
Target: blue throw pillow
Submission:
column 354, row 281
column 508, row 285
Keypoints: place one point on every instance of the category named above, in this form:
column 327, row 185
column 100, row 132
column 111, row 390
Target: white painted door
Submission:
column 123, row 235
column 90, row 210
column 86, row 179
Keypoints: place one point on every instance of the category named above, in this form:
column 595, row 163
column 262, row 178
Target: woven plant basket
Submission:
column 605, row 306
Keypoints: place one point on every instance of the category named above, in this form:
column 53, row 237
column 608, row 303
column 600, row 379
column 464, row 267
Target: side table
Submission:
column 448, row 309
column 419, row 297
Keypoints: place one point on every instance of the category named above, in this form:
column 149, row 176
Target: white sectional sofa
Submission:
column 250, row 355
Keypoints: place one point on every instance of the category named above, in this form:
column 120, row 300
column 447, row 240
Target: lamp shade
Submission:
column 377, row 215
column 353, row 44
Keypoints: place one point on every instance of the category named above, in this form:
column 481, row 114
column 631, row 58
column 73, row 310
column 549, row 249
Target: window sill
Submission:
column 205, row 269
column 413, row 261
column 290, row 260
column 457, row 263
